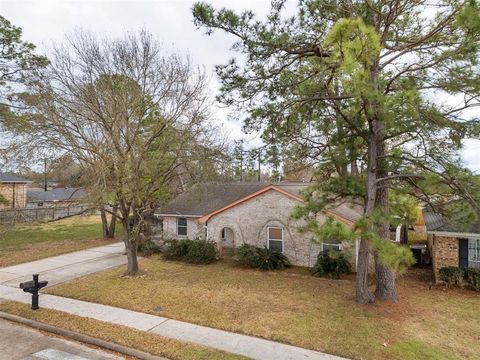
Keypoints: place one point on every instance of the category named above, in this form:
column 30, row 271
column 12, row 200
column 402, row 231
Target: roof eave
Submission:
column 455, row 234
column 15, row 182
column 178, row 215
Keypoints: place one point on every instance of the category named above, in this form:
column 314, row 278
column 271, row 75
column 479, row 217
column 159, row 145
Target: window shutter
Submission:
column 463, row 253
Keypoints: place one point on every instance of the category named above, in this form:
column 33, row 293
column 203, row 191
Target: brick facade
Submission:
column 15, row 193
column 249, row 221
column 444, row 252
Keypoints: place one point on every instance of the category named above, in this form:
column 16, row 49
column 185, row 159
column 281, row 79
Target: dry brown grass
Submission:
column 154, row 344
column 30, row 242
column 298, row 309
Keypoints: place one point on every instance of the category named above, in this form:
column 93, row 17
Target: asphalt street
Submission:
column 18, row 342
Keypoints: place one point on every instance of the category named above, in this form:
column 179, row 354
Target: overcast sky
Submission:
column 44, row 21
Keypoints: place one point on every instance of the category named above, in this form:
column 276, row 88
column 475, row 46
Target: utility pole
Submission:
column 45, row 174
column 259, row 164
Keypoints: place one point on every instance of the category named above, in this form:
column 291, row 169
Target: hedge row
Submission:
column 191, row 251
column 455, row 276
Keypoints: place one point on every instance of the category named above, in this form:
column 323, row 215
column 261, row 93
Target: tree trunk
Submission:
column 132, row 259
column 385, row 276
column 103, row 216
column 113, row 223
column 386, row 288
column 363, row 294
column 130, row 243
column 108, row 229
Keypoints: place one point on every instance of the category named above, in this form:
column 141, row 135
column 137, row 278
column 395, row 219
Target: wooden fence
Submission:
column 41, row 213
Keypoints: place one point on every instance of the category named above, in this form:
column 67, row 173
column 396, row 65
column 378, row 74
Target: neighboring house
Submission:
column 59, row 197
column 450, row 245
column 14, row 190
column 259, row 214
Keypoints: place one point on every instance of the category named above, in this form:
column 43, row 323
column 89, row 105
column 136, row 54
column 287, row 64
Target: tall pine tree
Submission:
column 377, row 90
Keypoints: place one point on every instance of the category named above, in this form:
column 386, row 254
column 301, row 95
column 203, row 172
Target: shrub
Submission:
column 271, row 260
column 201, row 252
column 451, row 275
column 176, row 249
column 472, row 278
column 331, row 264
column 260, row 258
column 193, row 251
column 149, row 248
column 246, row 255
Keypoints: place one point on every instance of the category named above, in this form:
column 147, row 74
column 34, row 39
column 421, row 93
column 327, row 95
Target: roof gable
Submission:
column 206, row 217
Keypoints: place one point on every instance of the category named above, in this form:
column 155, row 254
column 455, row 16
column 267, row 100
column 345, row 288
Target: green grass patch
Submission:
column 75, row 228
column 28, row 242
column 416, row 350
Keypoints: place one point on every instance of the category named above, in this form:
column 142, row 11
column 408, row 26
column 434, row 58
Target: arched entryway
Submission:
column 228, row 240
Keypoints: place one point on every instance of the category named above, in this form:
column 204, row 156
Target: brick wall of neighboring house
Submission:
column 444, row 251
column 15, row 193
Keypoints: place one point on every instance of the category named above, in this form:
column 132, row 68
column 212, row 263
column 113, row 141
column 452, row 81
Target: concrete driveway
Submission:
column 66, row 267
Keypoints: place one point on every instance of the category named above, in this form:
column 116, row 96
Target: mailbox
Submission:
column 32, row 287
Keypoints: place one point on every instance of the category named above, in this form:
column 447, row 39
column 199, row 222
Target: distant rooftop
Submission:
column 9, row 178
column 436, row 222
column 58, row 194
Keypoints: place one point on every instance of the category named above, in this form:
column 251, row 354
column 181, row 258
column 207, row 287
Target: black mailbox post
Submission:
column 32, row 287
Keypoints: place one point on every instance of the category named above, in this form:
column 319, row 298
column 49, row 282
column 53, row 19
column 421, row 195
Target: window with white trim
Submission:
column 275, row 238
column 327, row 246
column 474, row 253
column 182, row 226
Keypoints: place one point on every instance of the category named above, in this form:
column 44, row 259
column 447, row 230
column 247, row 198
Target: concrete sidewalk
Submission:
column 69, row 266
column 249, row 346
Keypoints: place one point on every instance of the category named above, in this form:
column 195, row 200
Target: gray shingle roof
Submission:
column 59, row 194
column 205, row 198
column 436, row 222
column 9, row 178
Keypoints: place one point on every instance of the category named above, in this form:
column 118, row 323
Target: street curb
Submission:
column 81, row 337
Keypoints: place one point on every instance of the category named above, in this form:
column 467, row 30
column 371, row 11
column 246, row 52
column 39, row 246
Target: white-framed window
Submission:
column 182, row 226
column 327, row 246
column 474, row 253
column 275, row 238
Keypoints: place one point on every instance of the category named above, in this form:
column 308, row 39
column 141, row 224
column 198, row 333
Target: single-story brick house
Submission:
column 450, row 245
column 14, row 189
column 259, row 214
column 58, row 197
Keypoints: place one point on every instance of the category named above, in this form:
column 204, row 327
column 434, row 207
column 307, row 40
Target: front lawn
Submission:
column 298, row 309
column 28, row 242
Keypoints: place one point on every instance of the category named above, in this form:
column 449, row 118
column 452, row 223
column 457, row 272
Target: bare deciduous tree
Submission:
column 130, row 115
